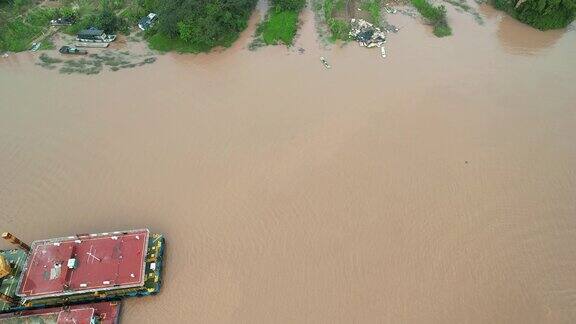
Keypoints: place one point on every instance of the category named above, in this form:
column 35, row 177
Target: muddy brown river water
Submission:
column 435, row 186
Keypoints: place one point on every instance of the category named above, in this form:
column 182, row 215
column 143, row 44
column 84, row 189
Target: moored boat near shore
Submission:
column 94, row 35
column 72, row 50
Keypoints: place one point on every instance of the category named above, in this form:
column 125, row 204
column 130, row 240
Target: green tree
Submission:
column 541, row 14
column 204, row 24
column 108, row 21
column 547, row 14
column 288, row 5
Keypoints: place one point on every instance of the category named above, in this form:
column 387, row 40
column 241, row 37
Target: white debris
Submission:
column 366, row 34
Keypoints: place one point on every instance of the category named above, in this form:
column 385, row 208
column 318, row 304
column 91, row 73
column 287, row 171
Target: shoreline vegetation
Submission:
column 374, row 9
column 540, row 14
column 23, row 22
column 281, row 22
column 193, row 26
column 435, row 15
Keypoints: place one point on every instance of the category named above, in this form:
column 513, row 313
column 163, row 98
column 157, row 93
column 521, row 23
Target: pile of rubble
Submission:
column 366, row 34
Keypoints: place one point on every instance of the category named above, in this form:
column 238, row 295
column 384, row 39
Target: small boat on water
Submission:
column 383, row 51
column 94, row 35
column 325, row 62
column 72, row 50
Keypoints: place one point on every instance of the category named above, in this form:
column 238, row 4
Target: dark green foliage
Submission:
column 436, row 15
column 541, row 14
column 547, row 14
column 202, row 24
column 288, row 5
column 108, row 21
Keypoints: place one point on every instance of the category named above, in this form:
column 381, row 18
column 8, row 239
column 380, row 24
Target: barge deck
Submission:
column 96, row 313
column 81, row 268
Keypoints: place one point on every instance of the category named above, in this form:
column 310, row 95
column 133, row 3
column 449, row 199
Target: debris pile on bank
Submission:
column 366, row 34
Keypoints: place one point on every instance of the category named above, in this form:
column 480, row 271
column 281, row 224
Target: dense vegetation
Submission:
column 541, row 14
column 102, row 16
column 436, row 15
column 199, row 25
column 281, row 23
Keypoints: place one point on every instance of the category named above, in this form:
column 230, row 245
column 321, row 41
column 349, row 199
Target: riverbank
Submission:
column 23, row 24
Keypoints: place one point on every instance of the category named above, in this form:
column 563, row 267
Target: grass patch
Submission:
column 16, row 36
column 280, row 27
column 436, row 15
column 339, row 28
column 47, row 44
column 374, row 9
column 18, row 32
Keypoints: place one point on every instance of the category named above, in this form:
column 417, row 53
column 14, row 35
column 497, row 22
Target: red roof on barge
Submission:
column 84, row 263
column 106, row 312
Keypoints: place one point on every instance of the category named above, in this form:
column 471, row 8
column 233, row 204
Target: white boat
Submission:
column 93, row 35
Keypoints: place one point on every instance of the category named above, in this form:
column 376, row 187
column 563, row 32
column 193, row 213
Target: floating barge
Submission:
column 96, row 313
column 83, row 268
